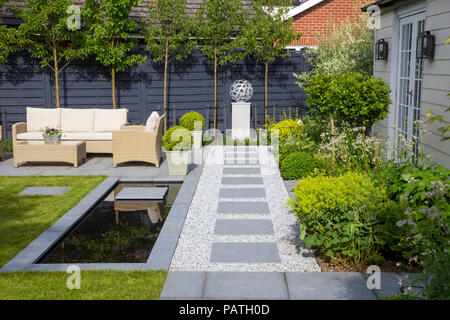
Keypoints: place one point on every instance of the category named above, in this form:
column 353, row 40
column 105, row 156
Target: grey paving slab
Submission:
column 142, row 193
column 391, row 282
column 241, row 161
column 1, row 188
column 245, row 285
column 243, row 226
column 290, row 184
column 45, row 191
column 242, row 193
column 244, row 252
column 241, row 180
column 328, row 286
column 183, row 285
column 242, row 170
column 243, row 207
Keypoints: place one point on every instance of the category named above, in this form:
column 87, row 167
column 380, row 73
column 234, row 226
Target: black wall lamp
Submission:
column 425, row 45
column 381, row 50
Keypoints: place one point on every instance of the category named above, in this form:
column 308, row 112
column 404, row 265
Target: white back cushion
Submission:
column 77, row 120
column 39, row 118
column 109, row 120
column 152, row 121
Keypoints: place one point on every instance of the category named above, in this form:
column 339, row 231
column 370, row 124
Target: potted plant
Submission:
column 178, row 142
column 52, row 135
column 194, row 122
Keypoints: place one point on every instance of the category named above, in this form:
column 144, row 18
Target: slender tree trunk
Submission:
column 266, row 114
column 332, row 138
column 113, row 86
column 166, row 60
column 215, row 88
column 55, row 66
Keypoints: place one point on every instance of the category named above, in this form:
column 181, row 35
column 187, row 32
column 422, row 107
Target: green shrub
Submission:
column 297, row 165
column 286, row 128
column 177, row 138
column 351, row 97
column 7, row 146
column 337, row 215
column 188, row 120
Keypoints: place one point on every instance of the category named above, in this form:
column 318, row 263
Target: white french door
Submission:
column 409, row 76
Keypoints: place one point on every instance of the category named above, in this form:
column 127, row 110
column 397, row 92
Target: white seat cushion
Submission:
column 87, row 136
column 152, row 121
column 109, row 120
column 77, row 120
column 74, row 136
column 39, row 118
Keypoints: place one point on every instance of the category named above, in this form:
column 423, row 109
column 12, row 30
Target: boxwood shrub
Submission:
column 188, row 120
column 297, row 165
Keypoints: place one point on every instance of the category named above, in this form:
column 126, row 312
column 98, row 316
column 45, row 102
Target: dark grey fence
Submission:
column 85, row 84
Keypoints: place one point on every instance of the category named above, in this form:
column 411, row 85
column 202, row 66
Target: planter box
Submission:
column 178, row 162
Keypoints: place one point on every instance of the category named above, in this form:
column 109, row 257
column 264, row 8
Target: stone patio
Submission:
column 95, row 165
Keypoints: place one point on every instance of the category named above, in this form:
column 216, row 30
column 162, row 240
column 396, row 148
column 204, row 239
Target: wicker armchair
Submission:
column 1, row 145
column 133, row 143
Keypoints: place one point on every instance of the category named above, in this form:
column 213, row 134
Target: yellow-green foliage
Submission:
column 286, row 128
column 337, row 215
column 344, row 193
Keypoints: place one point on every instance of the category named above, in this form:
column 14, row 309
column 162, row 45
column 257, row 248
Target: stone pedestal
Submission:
column 240, row 123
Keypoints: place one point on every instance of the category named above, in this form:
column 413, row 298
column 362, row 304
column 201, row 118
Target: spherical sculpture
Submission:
column 241, row 90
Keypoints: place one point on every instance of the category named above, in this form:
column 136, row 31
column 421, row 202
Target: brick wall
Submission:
column 314, row 21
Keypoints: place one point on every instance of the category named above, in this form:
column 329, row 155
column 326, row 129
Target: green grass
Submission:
column 95, row 285
column 23, row 218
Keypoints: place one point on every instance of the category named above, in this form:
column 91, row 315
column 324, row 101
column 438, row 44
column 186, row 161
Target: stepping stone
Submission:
column 243, row 207
column 242, row 180
column 245, row 285
column 240, row 161
column 243, row 226
column 1, row 188
column 241, row 155
column 242, row 170
column 142, row 193
column 242, row 193
column 245, row 252
column 328, row 286
column 44, row 191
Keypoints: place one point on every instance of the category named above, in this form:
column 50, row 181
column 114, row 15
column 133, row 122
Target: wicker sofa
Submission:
column 138, row 143
column 94, row 126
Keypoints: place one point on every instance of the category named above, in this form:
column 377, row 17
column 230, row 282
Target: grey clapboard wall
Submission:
column 85, row 84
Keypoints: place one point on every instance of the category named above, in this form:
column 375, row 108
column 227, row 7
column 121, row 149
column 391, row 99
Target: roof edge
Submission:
column 303, row 7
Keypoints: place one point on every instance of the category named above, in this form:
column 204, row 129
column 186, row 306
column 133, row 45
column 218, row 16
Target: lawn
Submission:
column 23, row 218
column 95, row 285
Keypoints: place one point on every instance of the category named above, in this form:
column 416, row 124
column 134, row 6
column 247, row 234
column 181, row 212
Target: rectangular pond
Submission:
column 122, row 227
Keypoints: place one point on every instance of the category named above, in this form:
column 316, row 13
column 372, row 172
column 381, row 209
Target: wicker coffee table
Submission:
column 37, row 151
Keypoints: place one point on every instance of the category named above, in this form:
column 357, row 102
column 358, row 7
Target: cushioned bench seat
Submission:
column 94, row 126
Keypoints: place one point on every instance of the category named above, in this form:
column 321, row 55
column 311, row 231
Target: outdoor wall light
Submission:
column 381, row 50
column 425, row 45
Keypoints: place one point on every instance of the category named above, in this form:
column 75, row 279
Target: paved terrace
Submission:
column 95, row 165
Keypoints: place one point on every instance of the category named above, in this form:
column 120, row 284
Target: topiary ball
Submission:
column 177, row 138
column 188, row 120
column 297, row 165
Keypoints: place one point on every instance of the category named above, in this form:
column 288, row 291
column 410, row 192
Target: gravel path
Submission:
column 238, row 245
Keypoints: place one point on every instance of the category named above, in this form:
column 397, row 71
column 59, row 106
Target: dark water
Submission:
column 115, row 231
